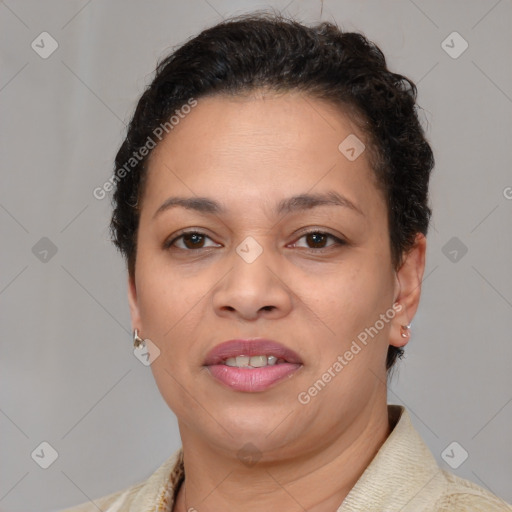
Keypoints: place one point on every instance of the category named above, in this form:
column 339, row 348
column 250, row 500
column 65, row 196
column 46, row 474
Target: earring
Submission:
column 137, row 340
column 404, row 330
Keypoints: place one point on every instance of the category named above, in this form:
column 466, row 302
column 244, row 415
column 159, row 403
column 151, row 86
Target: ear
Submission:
column 132, row 301
column 408, row 289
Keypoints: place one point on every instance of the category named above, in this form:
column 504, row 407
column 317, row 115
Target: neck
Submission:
column 317, row 482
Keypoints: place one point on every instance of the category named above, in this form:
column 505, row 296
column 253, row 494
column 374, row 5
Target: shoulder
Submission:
column 462, row 495
column 115, row 499
column 143, row 496
column 405, row 475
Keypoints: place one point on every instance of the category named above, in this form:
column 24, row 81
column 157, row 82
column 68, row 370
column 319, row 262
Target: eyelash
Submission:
column 338, row 241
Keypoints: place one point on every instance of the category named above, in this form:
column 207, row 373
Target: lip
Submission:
column 252, row 347
column 251, row 379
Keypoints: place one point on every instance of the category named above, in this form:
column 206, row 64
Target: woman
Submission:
column 272, row 205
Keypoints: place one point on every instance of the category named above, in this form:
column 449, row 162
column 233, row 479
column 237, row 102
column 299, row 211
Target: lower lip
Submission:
column 252, row 379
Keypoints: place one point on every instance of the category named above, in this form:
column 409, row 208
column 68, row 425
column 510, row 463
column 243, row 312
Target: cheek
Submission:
column 161, row 305
column 171, row 388
column 353, row 300
column 168, row 320
column 171, row 310
column 161, row 292
column 352, row 290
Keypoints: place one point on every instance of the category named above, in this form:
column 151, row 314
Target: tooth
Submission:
column 258, row 361
column 242, row 361
column 251, row 361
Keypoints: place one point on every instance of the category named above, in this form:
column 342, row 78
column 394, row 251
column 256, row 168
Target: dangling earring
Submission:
column 137, row 340
column 404, row 330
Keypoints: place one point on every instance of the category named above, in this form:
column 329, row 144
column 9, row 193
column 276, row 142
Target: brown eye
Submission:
column 318, row 240
column 190, row 240
column 193, row 240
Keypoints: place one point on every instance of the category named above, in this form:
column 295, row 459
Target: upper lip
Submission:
column 250, row 347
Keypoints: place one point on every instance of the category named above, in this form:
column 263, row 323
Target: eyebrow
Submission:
column 285, row 206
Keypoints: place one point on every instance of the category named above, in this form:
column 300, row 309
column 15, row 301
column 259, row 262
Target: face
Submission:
column 310, row 274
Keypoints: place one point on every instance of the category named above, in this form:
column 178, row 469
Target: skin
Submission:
column 248, row 153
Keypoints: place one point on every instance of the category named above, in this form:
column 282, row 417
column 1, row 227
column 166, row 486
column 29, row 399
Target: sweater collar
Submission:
column 403, row 475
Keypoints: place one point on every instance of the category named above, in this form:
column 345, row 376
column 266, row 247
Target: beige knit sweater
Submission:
column 403, row 477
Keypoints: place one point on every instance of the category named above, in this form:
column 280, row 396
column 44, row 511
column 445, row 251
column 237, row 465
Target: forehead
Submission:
column 262, row 146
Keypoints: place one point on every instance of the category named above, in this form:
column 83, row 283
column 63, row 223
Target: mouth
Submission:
column 251, row 365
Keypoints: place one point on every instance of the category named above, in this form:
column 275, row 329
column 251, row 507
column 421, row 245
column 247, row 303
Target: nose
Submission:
column 251, row 290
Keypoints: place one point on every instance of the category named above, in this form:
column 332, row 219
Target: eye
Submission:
column 194, row 240
column 191, row 240
column 318, row 239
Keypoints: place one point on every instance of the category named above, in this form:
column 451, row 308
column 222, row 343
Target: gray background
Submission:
column 68, row 374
